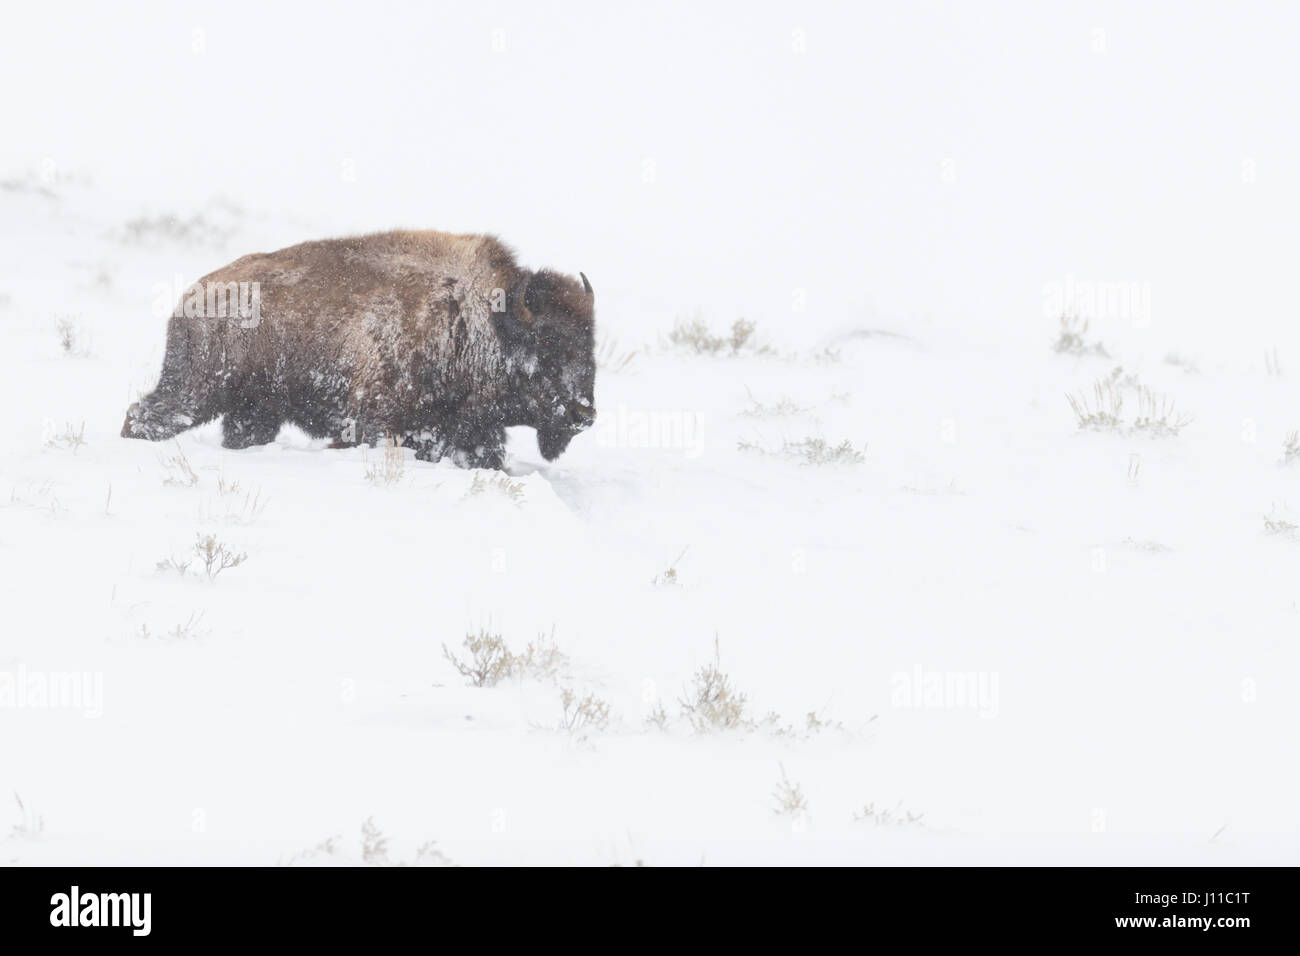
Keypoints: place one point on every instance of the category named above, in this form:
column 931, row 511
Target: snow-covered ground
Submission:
column 977, row 634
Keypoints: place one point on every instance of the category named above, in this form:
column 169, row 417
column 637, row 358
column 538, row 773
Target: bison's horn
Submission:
column 586, row 283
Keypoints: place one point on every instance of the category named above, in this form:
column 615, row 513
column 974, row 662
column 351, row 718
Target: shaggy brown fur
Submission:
column 439, row 340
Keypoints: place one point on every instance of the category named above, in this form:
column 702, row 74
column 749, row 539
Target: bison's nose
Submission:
column 581, row 414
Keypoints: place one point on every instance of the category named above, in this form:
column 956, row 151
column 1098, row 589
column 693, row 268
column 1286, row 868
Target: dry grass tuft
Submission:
column 1276, row 525
column 668, row 577
column 610, row 358
column 187, row 631
column 1157, row 416
column 30, row 824
column 72, row 437
column 657, row 718
column 784, row 407
column 789, row 798
column 886, row 817
column 391, row 467
column 178, row 469
column 495, row 483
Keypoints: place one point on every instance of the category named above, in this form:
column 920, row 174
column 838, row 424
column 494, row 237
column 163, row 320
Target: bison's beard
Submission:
column 552, row 441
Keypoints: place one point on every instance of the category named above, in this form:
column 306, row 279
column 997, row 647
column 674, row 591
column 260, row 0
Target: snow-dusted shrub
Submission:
column 215, row 557
column 812, row 451
column 658, row 717
column 198, row 229
column 1178, row 360
column 1291, row 448
column 817, row 451
column 695, row 336
column 1273, row 363
column 325, row 847
column 711, row 703
column 1119, row 378
column 774, row 724
column 373, row 848
column 210, row 556
column 181, row 632
column 784, row 407
column 491, row 660
column 584, row 713
column 1071, row 338
column 72, row 341
column 374, row 845
column 540, row 660
column 1147, row 545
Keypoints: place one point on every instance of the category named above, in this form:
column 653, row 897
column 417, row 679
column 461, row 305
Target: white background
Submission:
column 824, row 170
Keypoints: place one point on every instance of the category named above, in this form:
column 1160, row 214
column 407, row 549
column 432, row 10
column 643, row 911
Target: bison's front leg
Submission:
column 249, row 427
column 478, row 446
column 481, row 456
column 429, row 445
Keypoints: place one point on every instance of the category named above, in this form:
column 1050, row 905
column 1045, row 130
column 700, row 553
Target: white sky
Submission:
column 774, row 170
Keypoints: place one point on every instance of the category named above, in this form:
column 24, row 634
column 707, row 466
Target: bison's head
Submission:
column 548, row 331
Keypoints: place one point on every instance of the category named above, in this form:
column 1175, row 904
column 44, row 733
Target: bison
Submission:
column 435, row 340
